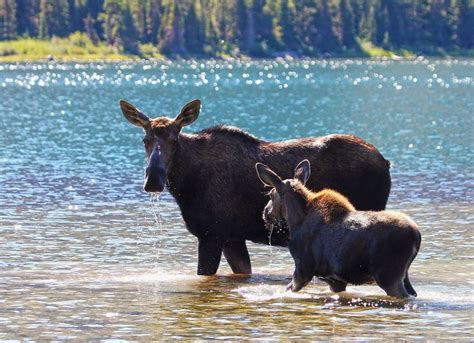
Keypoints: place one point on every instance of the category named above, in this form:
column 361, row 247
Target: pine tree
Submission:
column 153, row 11
column 7, row 19
column 465, row 29
column 128, row 32
column 326, row 39
column 381, row 24
column 90, row 29
column 288, row 15
column 194, row 31
column 27, row 12
column 172, row 29
column 138, row 11
column 111, row 18
column 348, row 30
column 54, row 18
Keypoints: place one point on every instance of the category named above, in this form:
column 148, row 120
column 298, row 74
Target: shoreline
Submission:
column 125, row 58
column 80, row 50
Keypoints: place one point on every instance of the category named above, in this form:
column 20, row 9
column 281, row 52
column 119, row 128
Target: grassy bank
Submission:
column 77, row 47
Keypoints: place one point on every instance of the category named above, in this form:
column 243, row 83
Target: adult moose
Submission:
column 211, row 175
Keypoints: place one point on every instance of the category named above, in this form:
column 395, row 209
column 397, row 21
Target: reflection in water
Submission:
column 85, row 254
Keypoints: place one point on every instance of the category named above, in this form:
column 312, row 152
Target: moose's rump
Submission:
column 344, row 163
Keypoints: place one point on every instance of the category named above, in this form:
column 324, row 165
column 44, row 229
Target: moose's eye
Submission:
column 147, row 142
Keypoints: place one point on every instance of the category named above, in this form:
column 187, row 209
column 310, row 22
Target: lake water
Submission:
column 86, row 254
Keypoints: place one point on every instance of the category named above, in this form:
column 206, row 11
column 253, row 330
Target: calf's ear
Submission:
column 268, row 176
column 189, row 113
column 134, row 115
column 302, row 171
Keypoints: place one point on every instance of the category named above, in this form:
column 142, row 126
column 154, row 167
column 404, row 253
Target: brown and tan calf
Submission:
column 333, row 241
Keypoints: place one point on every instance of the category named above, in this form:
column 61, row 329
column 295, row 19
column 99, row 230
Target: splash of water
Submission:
column 156, row 205
column 266, row 293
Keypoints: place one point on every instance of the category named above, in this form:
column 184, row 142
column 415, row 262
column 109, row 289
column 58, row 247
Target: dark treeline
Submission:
column 253, row 27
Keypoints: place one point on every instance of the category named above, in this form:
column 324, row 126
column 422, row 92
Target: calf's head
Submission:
column 161, row 140
column 285, row 195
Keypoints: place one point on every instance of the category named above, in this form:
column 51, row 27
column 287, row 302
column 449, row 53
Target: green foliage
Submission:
column 54, row 18
column 7, row 19
column 251, row 27
column 75, row 47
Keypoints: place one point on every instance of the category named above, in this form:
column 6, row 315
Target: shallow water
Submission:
column 84, row 253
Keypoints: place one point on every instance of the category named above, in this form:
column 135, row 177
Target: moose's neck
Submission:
column 178, row 178
column 296, row 211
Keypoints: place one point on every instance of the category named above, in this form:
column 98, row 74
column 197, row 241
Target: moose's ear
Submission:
column 268, row 176
column 134, row 115
column 189, row 113
column 302, row 171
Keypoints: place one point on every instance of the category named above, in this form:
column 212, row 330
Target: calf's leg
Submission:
column 396, row 290
column 237, row 256
column 392, row 283
column 209, row 256
column 408, row 286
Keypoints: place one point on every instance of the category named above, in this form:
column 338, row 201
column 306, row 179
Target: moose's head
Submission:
column 284, row 195
column 160, row 141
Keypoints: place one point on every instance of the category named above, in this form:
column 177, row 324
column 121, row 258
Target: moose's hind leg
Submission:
column 209, row 256
column 397, row 290
column 393, row 286
column 237, row 256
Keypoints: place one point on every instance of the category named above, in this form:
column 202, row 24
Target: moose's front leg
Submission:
column 300, row 279
column 209, row 255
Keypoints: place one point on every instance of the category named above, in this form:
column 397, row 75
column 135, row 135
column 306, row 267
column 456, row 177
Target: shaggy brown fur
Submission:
column 329, row 239
column 209, row 173
column 330, row 204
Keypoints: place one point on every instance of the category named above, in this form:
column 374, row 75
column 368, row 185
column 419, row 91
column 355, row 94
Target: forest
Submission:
column 258, row 28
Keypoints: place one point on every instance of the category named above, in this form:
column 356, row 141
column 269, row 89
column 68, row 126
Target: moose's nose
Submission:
column 155, row 173
column 154, row 181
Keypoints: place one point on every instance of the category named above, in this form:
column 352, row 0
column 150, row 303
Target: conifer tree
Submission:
column 54, row 18
column 27, row 12
column 348, row 30
column 465, row 29
column 326, row 39
column 111, row 18
column 7, row 19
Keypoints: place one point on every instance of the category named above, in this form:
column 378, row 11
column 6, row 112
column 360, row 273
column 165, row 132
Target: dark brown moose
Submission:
column 329, row 239
column 210, row 174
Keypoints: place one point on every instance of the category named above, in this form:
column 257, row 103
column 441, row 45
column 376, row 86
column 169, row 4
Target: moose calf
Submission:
column 329, row 239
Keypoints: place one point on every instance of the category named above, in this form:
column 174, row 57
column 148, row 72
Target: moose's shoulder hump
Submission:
column 331, row 204
column 230, row 131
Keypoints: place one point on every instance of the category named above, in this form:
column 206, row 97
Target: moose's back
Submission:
column 229, row 198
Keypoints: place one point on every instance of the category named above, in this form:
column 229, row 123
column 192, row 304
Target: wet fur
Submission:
column 210, row 174
column 336, row 243
column 221, row 199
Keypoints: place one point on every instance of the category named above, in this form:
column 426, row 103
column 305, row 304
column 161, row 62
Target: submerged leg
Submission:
column 300, row 279
column 209, row 256
column 237, row 256
column 408, row 286
column 336, row 285
column 394, row 288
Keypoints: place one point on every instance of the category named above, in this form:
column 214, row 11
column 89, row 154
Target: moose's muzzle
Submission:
column 155, row 173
